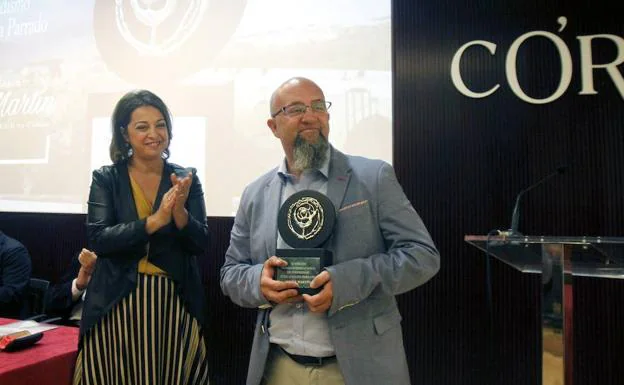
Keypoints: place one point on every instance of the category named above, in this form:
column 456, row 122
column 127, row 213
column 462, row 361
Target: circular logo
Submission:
column 162, row 40
column 306, row 219
column 151, row 17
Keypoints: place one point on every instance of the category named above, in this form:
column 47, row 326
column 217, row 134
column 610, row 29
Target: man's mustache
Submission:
column 299, row 138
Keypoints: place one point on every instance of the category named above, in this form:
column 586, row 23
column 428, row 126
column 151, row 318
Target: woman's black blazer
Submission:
column 120, row 240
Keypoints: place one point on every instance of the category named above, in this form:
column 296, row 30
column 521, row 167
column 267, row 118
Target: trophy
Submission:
column 305, row 221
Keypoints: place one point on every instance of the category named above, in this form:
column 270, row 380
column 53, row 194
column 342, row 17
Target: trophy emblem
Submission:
column 305, row 222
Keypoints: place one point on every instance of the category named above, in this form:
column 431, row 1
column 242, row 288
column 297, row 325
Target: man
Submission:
column 65, row 299
column 15, row 269
column 348, row 333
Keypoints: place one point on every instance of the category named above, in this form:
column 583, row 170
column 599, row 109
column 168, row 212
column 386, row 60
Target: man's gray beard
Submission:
column 309, row 155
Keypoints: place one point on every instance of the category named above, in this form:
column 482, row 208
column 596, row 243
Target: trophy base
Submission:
column 303, row 266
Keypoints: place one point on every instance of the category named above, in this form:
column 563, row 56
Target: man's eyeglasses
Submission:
column 317, row 106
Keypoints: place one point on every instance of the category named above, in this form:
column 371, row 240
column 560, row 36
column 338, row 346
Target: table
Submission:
column 50, row 361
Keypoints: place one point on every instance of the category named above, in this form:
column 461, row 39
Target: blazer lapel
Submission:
column 271, row 206
column 338, row 180
column 125, row 191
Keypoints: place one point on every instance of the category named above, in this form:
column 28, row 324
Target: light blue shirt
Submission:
column 293, row 326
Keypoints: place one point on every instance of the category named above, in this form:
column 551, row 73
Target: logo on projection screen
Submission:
column 163, row 39
column 142, row 16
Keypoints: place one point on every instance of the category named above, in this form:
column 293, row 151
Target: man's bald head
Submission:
column 275, row 102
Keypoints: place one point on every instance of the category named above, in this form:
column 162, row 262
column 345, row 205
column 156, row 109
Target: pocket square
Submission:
column 352, row 205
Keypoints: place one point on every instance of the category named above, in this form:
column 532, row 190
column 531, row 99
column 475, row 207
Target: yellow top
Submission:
column 144, row 209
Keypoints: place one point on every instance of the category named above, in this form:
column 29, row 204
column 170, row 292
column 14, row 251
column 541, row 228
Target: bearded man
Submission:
column 350, row 331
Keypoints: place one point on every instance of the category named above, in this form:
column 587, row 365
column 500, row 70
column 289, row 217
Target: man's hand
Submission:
column 87, row 260
column 277, row 291
column 321, row 302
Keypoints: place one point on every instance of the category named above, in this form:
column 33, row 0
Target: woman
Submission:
column 144, row 310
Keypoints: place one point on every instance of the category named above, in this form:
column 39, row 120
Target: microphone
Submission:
column 515, row 216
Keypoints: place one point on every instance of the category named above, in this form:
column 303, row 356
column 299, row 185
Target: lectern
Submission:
column 557, row 259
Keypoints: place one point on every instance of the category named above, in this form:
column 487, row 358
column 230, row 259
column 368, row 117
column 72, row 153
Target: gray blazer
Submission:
column 381, row 248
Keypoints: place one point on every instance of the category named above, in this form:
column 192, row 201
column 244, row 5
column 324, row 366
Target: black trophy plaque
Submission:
column 305, row 222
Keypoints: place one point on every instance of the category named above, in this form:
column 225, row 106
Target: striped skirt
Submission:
column 147, row 338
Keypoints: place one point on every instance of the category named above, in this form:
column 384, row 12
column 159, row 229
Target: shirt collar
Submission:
column 282, row 169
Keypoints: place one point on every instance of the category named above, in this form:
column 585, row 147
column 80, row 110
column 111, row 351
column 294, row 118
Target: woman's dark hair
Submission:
column 119, row 148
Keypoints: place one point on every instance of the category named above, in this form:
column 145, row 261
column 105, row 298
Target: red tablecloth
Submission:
column 49, row 361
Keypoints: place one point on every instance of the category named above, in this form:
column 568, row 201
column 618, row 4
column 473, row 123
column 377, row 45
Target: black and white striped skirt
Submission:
column 147, row 338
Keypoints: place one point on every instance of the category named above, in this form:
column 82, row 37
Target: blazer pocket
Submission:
column 358, row 216
column 387, row 321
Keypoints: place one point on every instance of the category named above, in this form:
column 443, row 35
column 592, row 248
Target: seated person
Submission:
column 15, row 269
column 65, row 298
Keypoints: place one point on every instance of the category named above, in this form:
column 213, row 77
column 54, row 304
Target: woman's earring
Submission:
column 127, row 145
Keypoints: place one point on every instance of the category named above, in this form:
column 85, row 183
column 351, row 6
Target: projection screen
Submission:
column 65, row 63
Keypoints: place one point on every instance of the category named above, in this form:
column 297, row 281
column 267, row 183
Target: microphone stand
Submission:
column 515, row 215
